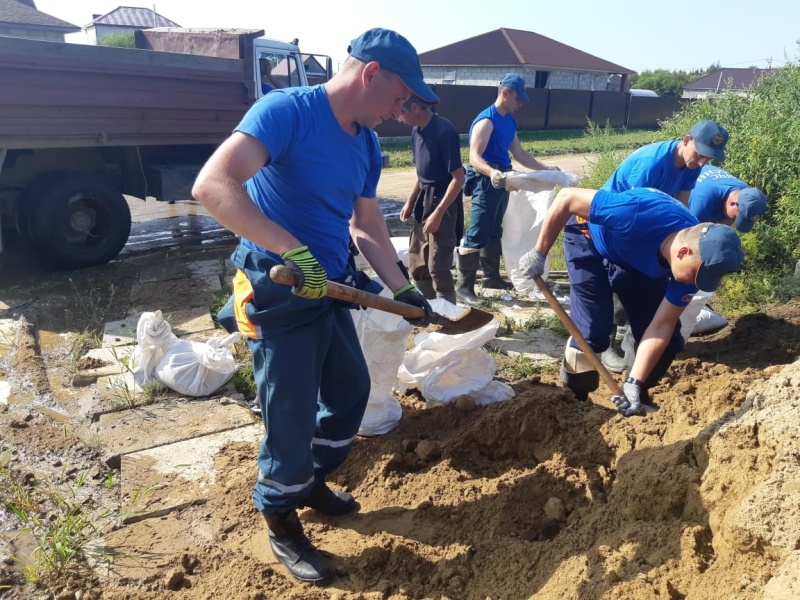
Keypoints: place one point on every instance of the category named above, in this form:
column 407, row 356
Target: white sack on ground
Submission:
column 446, row 367
column 153, row 338
column 383, row 340
column 198, row 368
column 522, row 223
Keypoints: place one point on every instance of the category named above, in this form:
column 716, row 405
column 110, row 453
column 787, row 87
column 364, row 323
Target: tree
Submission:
column 668, row 83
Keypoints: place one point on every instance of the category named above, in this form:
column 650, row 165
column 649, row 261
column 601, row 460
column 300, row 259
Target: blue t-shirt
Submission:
column 707, row 201
column 315, row 174
column 436, row 150
column 652, row 166
column 627, row 228
column 503, row 132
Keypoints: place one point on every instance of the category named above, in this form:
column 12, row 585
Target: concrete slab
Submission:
column 8, row 335
column 205, row 268
column 174, row 295
column 536, row 344
column 170, row 421
column 172, row 477
column 102, row 362
column 120, row 333
column 165, row 271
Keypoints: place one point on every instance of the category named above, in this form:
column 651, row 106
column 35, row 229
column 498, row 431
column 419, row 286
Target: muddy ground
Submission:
column 538, row 497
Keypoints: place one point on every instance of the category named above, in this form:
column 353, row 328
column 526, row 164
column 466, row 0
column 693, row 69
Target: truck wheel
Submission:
column 81, row 221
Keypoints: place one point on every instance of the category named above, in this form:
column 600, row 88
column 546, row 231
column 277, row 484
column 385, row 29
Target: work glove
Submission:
column 498, row 179
column 410, row 295
column 630, row 403
column 532, row 264
column 310, row 279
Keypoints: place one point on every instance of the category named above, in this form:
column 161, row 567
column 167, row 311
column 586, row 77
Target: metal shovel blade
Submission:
column 470, row 320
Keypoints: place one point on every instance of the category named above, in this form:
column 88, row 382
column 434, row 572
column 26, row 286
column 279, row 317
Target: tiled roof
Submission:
column 21, row 13
column 735, row 79
column 133, row 16
column 516, row 47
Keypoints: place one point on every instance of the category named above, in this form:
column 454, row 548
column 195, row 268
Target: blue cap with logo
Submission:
column 752, row 204
column 710, row 138
column 514, row 81
column 394, row 53
column 720, row 252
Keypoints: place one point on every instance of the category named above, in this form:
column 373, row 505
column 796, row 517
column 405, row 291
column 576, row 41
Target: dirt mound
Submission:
column 541, row 496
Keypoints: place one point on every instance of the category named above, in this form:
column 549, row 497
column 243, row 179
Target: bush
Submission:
column 124, row 39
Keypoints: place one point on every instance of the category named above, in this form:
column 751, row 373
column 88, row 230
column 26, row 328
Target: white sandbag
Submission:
column 446, row 367
column 153, row 338
column 522, row 223
column 196, row 368
column 400, row 244
column 383, row 340
column 709, row 321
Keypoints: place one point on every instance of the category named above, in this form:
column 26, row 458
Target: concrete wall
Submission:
column 558, row 80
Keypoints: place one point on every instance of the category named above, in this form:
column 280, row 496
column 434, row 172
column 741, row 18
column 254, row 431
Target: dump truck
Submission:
column 83, row 128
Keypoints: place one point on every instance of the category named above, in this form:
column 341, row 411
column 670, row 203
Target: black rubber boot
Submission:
column 425, row 287
column 449, row 296
column 490, row 265
column 294, row 550
column 334, row 504
column 611, row 360
column 467, row 270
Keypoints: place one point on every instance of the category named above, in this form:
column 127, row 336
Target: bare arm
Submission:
column 524, row 157
column 369, row 232
column 568, row 202
column 655, row 339
column 433, row 222
column 219, row 189
column 408, row 208
column 478, row 141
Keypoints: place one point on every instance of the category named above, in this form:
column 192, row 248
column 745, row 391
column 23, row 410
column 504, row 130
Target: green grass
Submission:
column 540, row 143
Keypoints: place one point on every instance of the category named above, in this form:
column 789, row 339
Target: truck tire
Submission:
column 80, row 221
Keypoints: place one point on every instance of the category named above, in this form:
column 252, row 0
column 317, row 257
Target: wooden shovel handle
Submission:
column 576, row 335
column 284, row 275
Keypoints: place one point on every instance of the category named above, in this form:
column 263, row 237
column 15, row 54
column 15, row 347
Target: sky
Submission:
column 631, row 33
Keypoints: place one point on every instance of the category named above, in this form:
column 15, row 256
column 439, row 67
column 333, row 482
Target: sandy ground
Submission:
column 540, row 497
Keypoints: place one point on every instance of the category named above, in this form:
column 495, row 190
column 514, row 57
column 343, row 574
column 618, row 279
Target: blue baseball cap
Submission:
column 394, row 53
column 514, row 81
column 710, row 138
column 752, row 204
column 720, row 252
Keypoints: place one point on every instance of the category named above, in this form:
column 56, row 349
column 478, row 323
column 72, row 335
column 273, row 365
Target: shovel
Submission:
column 576, row 335
column 470, row 320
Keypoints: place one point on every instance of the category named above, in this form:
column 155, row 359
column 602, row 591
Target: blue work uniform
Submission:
column 652, row 166
column 618, row 251
column 488, row 205
column 707, row 201
column 312, row 378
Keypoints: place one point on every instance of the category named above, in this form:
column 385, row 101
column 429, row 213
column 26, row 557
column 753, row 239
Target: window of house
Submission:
column 541, row 78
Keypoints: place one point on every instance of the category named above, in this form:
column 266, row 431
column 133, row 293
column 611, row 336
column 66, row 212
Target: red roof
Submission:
column 508, row 47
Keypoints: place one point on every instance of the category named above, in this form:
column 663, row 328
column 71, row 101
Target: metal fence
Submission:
column 549, row 109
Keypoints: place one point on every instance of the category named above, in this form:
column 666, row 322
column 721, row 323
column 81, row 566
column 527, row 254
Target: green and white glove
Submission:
column 410, row 295
column 310, row 279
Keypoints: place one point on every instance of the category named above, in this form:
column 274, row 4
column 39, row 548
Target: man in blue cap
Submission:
column 720, row 197
column 492, row 136
column 673, row 167
column 644, row 246
column 296, row 178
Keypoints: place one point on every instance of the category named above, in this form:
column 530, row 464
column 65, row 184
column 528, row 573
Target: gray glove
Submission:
column 410, row 295
column 630, row 403
column 532, row 264
column 498, row 179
